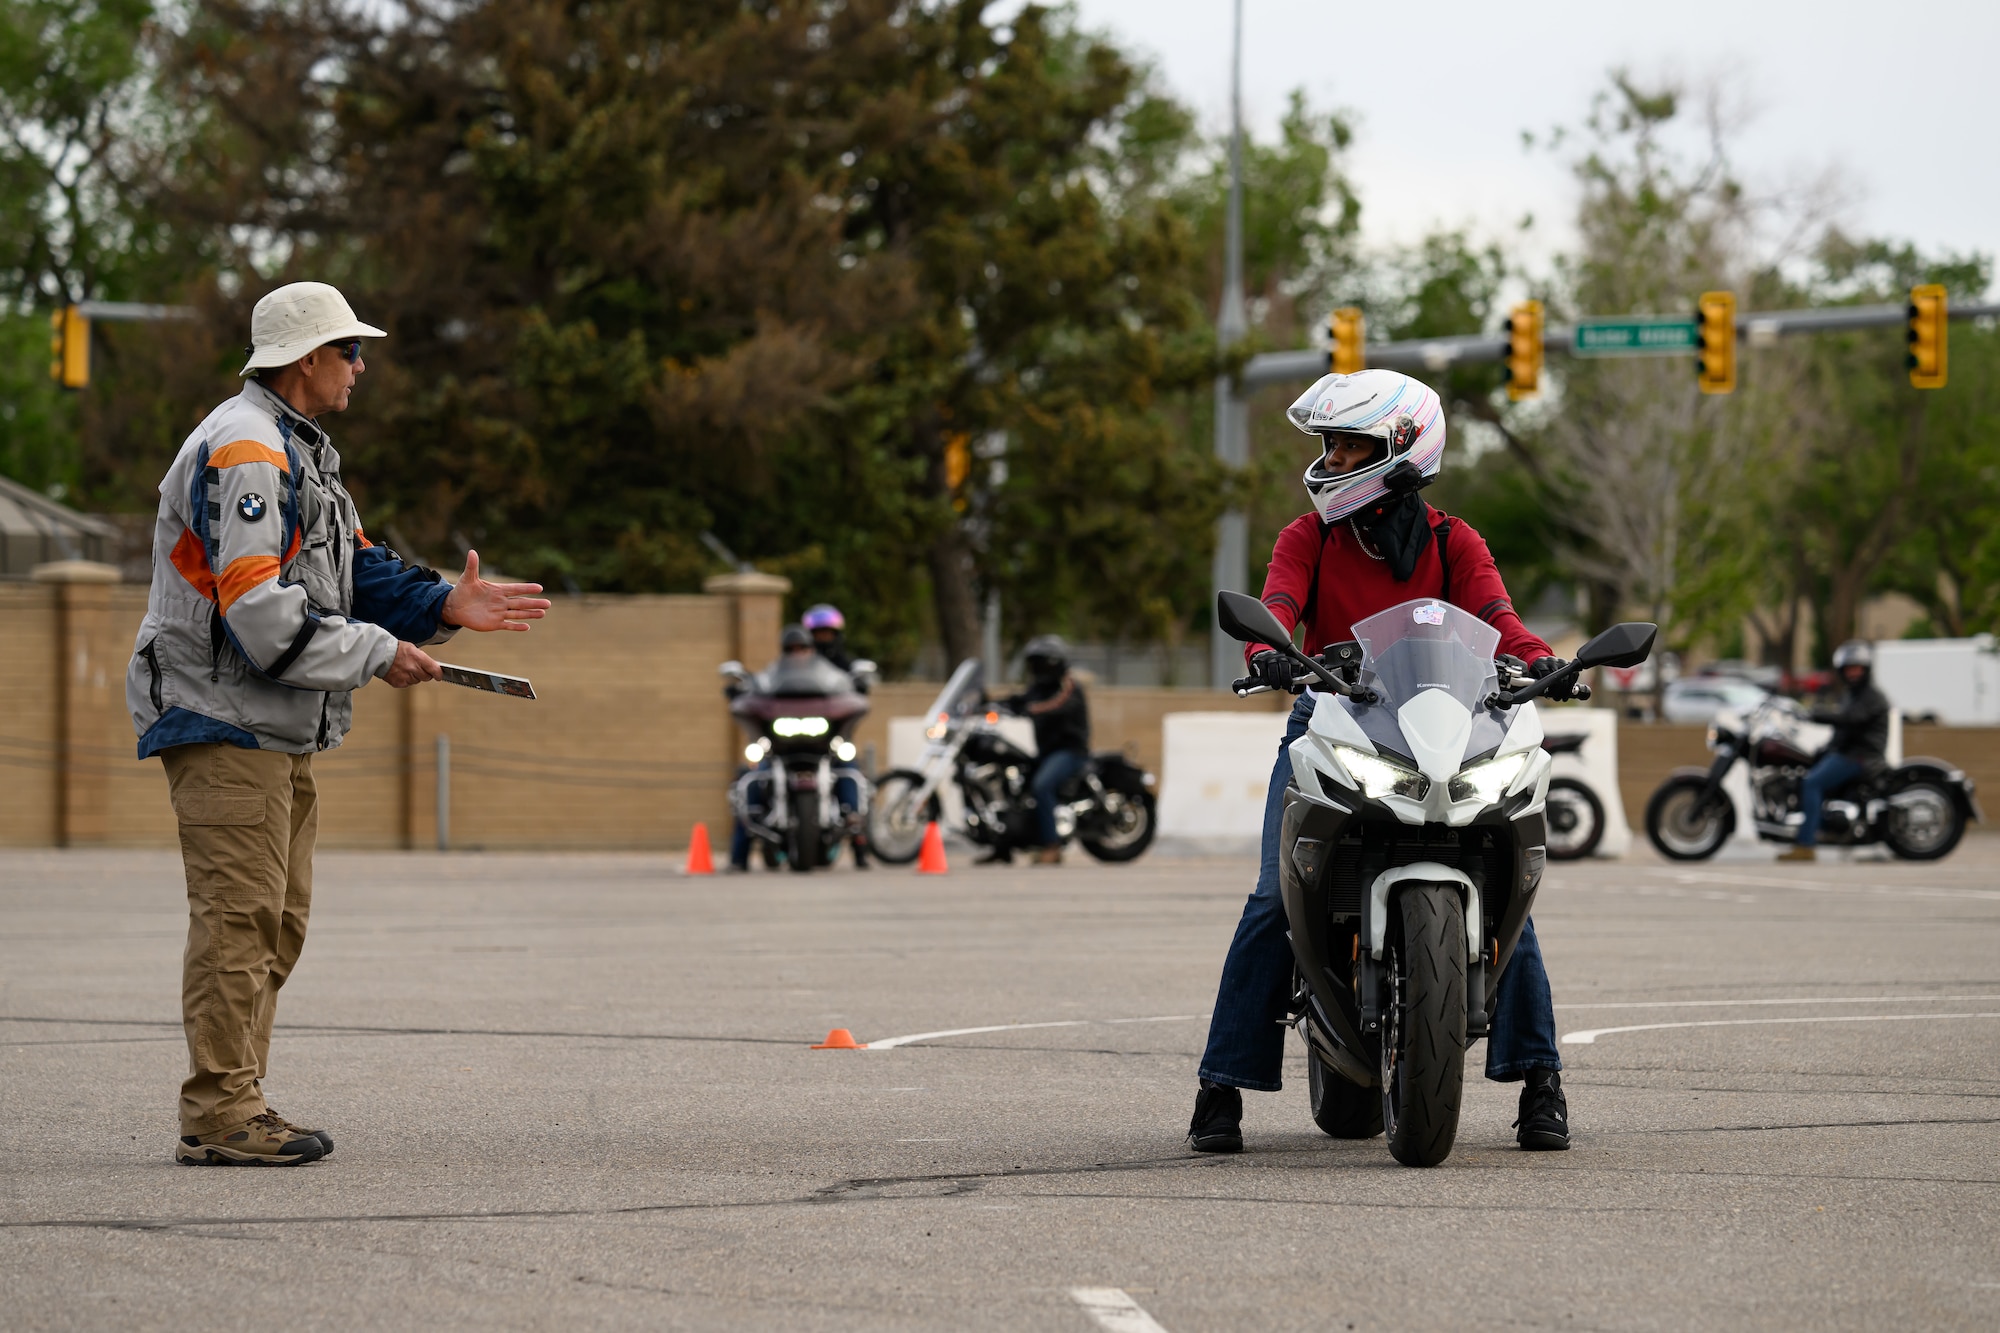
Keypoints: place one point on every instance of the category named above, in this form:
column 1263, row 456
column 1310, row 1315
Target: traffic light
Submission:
column 69, row 348
column 1344, row 357
column 1927, row 337
column 1715, row 342
column 1524, row 351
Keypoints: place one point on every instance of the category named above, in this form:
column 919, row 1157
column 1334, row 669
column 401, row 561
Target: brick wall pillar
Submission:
column 90, row 684
column 760, row 612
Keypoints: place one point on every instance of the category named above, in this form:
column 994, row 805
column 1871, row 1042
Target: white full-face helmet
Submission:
column 1401, row 416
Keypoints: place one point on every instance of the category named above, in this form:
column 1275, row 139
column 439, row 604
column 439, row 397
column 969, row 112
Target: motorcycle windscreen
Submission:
column 966, row 685
column 1427, row 645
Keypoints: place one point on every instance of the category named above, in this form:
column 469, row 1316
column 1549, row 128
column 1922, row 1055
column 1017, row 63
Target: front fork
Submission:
column 1711, row 791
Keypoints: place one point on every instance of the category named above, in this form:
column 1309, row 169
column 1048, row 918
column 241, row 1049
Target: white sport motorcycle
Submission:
column 1412, row 843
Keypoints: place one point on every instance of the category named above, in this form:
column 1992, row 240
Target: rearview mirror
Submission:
column 1248, row 620
column 731, row 669
column 1624, row 645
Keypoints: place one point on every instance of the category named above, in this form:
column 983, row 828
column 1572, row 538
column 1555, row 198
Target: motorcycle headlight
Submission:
column 1488, row 781
column 1378, row 777
column 843, row 750
column 799, row 726
column 936, row 730
column 756, row 750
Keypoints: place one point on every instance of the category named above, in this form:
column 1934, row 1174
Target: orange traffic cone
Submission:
column 930, row 860
column 700, row 860
column 840, row 1039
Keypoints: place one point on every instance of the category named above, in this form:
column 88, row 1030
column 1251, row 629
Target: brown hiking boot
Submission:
column 263, row 1140
column 325, row 1139
column 1049, row 856
column 1798, row 854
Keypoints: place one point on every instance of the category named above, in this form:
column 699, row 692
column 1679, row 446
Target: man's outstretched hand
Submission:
column 478, row 605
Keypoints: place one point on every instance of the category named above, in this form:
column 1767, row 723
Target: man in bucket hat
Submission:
column 269, row 607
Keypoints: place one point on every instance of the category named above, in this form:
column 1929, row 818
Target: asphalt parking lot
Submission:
column 577, row 1092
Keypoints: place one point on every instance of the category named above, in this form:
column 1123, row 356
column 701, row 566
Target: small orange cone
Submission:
column 700, row 860
column 930, row 860
column 840, row 1039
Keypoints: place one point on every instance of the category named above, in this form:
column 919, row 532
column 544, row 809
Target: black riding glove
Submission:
column 1272, row 668
column 1548, row 666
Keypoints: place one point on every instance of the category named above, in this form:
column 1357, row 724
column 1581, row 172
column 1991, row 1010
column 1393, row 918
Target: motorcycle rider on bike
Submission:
column 1860, row 742
column 795, row 645
column 1369, row 544
column 1054, row 702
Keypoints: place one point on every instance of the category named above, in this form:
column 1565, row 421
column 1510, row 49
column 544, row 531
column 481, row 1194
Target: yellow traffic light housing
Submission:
column 1524, row 351
column 1715, row 342
column 1927, row 337
column 69, row 348
column 1348, row 328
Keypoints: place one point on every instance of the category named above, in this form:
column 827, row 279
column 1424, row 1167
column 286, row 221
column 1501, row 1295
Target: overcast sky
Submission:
column 1905, row 111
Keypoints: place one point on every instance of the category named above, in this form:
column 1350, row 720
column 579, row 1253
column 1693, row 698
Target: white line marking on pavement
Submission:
column 1826, row 886
column 891, row 1043
column 1588, row 1037
column 1115, row 1312
column 1722, row 1004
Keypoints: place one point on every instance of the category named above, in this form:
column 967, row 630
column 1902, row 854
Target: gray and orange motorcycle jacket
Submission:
column 269, row 605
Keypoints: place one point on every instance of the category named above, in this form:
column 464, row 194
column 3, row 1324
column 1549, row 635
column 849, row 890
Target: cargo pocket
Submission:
column 211, row 806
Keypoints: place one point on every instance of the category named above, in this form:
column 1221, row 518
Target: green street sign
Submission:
column 1635, row 337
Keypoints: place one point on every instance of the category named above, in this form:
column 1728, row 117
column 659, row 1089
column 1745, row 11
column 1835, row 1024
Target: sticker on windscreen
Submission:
column 1432, row 614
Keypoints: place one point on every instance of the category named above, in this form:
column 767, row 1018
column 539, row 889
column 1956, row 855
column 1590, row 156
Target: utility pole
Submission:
column 1232, row 414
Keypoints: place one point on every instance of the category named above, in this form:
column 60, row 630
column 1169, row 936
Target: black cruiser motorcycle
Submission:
column 1919, row 808
column 1413, row 841
column 1108, row 807
column 799, row 718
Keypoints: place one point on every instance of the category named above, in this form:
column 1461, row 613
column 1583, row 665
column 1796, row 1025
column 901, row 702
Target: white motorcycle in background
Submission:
column 1413, row 840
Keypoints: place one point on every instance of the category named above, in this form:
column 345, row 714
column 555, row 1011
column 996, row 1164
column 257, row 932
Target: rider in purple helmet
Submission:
column 828, row 629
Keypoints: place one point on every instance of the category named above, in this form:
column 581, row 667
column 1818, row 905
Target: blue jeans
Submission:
column 1828, row 775
column 1055, row 769
column 1246, row 1039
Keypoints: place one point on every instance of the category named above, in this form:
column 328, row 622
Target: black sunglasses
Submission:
column 350, row 351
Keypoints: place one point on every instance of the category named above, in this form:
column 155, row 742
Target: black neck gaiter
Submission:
column 1396, row 528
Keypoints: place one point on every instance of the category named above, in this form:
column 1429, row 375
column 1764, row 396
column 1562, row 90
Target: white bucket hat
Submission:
column 296, row 318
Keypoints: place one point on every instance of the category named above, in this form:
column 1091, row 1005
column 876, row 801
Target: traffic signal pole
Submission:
column 1755, row 329
column 1231, row 567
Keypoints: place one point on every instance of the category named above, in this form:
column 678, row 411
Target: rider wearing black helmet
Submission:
column 1859, row 745
column 1054, row 702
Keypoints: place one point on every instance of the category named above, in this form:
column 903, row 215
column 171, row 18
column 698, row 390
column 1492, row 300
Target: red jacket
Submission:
column 1354, row 585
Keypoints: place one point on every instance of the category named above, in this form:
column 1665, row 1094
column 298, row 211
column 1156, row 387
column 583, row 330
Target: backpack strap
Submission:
column 1442, row 529
column 1312, row 586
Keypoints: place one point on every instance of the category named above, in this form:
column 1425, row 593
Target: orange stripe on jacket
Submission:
column 192, row 561
column 248, row 451
column 362, row 537
column 244, row 573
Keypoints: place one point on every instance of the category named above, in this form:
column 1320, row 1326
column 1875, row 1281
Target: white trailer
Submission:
column 1955, row 681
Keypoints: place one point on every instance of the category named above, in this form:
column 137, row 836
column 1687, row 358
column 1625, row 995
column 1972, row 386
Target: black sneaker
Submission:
column 1218, row 1119
column 1544, row 1122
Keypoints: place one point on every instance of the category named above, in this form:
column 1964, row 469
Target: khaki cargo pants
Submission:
column 248, row 819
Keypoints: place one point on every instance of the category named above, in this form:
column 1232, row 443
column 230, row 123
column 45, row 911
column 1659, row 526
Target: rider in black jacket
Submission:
column 1860, row 741
column 1054, row 702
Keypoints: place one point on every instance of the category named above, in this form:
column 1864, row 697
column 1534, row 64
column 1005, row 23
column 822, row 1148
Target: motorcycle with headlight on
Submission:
column 1412, row 843
column 801, row 796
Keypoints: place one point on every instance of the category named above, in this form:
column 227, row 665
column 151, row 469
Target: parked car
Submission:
column 1700, row 698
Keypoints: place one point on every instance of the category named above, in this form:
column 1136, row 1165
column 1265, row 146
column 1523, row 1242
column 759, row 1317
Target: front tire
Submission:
column 1423, row 1038
column 1680, row 832
column 1923, row 830
column 1341, row 1108
column 1127, row 836
column 804, row 850
column 1575, row 819
column 895, row 824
